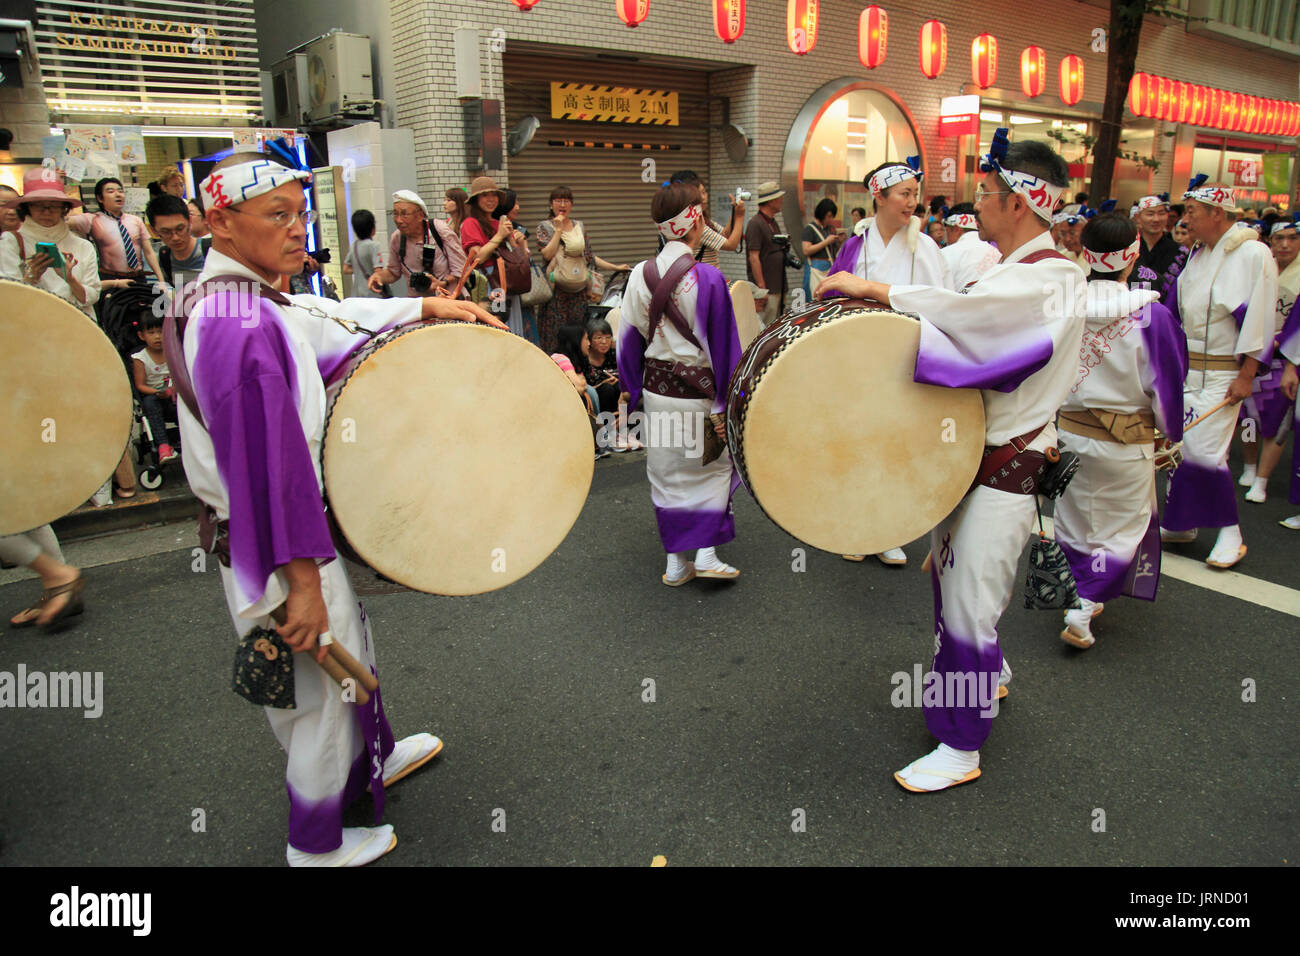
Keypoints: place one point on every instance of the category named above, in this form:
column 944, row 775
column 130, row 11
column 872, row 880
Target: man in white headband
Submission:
column 250, row 371
column 968, row 256
column 1068, row 227
column 1158, row 251
column 1227, row 300
column 677, row 349
column 1015, row 336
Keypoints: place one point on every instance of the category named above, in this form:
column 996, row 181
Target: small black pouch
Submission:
column 1058, row 474
column 1049, row 582
column 264, row 670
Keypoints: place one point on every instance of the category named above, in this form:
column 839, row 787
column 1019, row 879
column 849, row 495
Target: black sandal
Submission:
column 74, row 606
column 37, row 607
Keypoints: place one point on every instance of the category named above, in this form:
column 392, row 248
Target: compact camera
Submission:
column 744, row 195
column 321, row 255
column 422, row 281
column 782, row 242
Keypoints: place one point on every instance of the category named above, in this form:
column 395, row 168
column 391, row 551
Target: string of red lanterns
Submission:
column 728, row 19
column 1158, row 97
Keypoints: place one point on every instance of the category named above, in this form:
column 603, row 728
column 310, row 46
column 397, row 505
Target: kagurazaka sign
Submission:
column 190, row 40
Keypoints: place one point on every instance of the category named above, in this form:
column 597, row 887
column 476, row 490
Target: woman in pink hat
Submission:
column 43, row 208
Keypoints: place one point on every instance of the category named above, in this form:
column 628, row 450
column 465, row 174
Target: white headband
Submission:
column 1112, row 261
column 1070, row 217
column 963, row 220
column 1282, row 224
column 890, row 176
column 1150, row 202
column 235, row 184
column 1213, row 196
column 678, row 226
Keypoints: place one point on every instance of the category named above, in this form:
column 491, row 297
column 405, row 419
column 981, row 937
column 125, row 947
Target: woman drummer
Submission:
column 894, row 250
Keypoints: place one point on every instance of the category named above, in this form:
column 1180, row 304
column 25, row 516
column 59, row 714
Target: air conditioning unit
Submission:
column 337, row 76
column 289, row 91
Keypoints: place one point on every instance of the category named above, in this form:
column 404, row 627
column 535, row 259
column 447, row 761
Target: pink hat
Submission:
column 42, row 184
column 562, row 361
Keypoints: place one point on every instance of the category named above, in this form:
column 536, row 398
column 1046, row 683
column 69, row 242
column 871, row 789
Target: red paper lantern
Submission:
column 984, row 60
column 934, row 48
column 873, row 36
column 1033, row 71
column 525, row 4
column 1138, row 94
column 1163, row 88
column 1231, row 107
column 632, row 12
column 1183, row 102
column 729, row 19
column 1214, row 117
column 1249, row 114
column 801, row 25
column 1071, row 80
column 1274, row 117
column 1197, row 113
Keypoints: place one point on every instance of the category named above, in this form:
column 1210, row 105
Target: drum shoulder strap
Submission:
column 661, row 302
column 174, row 335
column 1041, row 254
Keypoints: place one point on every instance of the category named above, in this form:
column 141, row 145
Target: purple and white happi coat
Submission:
column 969, row 258
column 1015, row 335
column 910, row 258
column 1133, row 358
column 259, row 374
column 1227, row 301
column 692, row 501
column 1288, row 346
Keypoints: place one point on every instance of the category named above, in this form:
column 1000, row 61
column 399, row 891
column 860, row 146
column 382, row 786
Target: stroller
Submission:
column 611, row 298
column 118, row 317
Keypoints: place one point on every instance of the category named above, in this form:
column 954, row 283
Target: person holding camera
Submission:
column 423, row 249
column 767, row 256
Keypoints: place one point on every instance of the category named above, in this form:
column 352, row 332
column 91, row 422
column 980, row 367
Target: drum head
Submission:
column 456, row 458
column 844, row 451
column 66, row 408
column 742, row 302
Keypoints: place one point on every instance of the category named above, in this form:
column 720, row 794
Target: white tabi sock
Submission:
column 1247, row 476
column 949, row 763
column 676, row 565
column 1258, row 493
column 361, row 845
column 1229, row 540
column 706, row 559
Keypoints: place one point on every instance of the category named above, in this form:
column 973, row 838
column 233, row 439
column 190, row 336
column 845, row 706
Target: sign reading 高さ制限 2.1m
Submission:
column 613, row 104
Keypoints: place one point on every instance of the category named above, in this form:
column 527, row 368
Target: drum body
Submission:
column 456, row 458
column 836, row 442
column 66, row 408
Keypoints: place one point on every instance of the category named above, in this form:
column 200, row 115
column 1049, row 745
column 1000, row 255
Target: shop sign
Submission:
column 594, row 102
column 165, row 37
column 1277, row 174
column 1245, row 172
column 959, row 115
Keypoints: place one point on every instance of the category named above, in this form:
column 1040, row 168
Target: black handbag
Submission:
column 1049, row 582
column 264, row 670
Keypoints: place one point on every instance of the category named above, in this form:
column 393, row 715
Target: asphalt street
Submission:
column 771, row 706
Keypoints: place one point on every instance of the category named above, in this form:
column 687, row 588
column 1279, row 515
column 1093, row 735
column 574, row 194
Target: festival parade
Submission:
column 403, row 375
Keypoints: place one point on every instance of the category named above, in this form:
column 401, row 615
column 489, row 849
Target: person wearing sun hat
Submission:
column 43, row 208
column 766, row 260
column 481, row 236
column 1227, row 300
column 1020, row 346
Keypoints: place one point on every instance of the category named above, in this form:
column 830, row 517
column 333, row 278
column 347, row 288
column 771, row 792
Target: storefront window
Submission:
column 845, row 130
column 1072, row 138
column 1260, row 177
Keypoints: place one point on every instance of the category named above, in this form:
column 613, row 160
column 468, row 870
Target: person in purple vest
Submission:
column 677, row 350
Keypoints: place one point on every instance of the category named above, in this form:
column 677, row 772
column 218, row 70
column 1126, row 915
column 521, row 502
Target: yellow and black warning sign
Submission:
column 613, row 104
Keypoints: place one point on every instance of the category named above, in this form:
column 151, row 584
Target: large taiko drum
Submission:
column 835, row 441
column 456, row 458
column 66, row 413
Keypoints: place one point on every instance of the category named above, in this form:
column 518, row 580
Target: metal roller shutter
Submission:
column 608, row 193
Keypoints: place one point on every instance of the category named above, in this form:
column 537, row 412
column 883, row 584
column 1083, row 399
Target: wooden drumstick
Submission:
column 335, row 664
column 1206, row 415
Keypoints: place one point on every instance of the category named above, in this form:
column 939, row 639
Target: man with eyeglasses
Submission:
column 250, row 366
column 406, row 247
column 181, row 257
column 1015, row 335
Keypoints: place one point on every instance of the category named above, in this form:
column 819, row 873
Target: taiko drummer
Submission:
column 252, row 425
column 1015, row 335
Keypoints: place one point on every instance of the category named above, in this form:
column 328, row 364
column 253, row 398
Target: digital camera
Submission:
column 321, row 255
column 744, row 195
column 422, row 281
column 782, row 242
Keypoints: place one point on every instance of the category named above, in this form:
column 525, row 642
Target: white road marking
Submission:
column 1275, row 597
